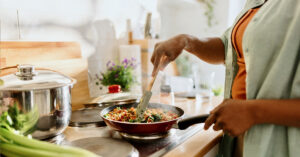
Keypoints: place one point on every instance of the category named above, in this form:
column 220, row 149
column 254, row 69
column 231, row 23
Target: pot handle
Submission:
column 7, row 68
column 10, row 67
column 187, row 122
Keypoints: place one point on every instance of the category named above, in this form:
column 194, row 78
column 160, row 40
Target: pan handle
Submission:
column 187, row 122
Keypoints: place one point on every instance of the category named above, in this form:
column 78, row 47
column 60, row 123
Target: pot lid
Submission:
column 119, row 98
column 86, row 117
column 27, row 78
column 105, row 146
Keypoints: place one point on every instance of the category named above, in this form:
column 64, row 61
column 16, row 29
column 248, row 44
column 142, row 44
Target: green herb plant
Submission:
column 209, row 12
column 119, row 74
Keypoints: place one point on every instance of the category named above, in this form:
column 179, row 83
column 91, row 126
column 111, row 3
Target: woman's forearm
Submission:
column 280, row 112
column 210, row 50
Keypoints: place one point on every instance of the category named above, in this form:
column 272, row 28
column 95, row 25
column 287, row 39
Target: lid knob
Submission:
column 26, row 72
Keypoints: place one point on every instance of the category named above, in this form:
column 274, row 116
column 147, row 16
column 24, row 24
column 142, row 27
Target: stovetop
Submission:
column 161, row 146
column 145, row 146
column 152, row 148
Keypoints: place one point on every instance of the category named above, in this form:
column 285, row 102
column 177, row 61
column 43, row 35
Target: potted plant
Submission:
column 118, row 75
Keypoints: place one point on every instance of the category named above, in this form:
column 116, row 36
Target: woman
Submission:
column 260, row 114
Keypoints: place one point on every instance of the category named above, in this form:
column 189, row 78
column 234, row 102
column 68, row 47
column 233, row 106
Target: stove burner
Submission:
column 145, row 137
column 86, row 117
column 107, row 147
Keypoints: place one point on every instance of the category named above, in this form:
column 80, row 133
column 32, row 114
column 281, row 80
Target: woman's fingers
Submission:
column 218, row 126
column 153, row 57
column 170, row 49
column 164, row 62
column 156, row 66
column 160, row 63
column 209, row 121
column 157, row 52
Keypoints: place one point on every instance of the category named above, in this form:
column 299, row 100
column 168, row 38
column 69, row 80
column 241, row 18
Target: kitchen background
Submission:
column 100, row 26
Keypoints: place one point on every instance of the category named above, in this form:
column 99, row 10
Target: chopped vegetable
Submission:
column 114, row 88
column 150, row 115
column 14, row 144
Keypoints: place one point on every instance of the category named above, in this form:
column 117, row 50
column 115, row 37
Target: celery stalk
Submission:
column 4, row 139
column 40, row 145
column 24, row 151
column 9, row 153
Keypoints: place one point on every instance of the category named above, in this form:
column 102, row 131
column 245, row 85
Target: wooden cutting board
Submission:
column 16, row 52
column 77, row 69
column 64, row 57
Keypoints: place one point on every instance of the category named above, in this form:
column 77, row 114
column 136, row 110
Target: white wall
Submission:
column 69, row 20
column 235, row 6
column 72, row 20
column 187, row 17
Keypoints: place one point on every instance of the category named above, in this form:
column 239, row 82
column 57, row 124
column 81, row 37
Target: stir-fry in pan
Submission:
column 150, row 115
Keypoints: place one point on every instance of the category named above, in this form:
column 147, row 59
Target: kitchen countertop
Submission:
column 203, row 141
column 197, row 145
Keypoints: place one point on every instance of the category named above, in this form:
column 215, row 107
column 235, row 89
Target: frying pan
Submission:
column 155, row 127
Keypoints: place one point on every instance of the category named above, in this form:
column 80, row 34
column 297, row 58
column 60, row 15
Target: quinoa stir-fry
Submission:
column 150, row 115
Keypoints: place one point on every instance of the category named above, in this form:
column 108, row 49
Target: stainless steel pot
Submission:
column 38, row 101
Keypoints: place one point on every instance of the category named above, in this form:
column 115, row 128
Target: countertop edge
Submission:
column 198, row 145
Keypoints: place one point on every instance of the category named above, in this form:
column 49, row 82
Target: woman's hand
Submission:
column 169, row 50
column 237, row 116
column 232, row 116
column 210, row 50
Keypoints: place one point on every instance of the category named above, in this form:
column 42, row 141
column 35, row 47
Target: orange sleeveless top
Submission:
column 239, row 83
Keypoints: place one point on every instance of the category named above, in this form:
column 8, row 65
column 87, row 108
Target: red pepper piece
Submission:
column 114, row 89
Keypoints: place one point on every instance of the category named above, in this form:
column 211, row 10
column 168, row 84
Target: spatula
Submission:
column 146, row 96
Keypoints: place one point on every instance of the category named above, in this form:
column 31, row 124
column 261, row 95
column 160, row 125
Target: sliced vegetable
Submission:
column 156, row 117
column 114, row 88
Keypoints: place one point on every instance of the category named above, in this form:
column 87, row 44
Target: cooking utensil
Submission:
column 147, row 94
column 152, row 128
column 42, row 99
column 147, row 33
column 145, row 100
